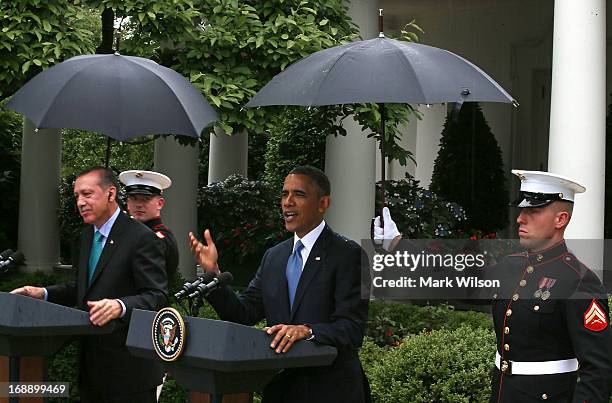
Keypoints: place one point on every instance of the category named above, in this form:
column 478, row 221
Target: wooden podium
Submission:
column 224, row 361
column 32, row 330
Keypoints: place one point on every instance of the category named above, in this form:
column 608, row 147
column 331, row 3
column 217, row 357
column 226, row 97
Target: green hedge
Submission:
column 389, row 323
column 437, row 366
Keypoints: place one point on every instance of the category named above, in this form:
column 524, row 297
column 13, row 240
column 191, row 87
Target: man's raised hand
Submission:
column 205, row 255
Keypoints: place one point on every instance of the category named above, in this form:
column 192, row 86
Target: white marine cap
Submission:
column 144, row 182
column 539, row 188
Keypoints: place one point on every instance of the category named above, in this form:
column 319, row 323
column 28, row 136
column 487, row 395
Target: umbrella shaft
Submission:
column 382, row 162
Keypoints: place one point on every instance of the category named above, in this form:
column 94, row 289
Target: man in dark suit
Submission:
column 121, row 267
column 307, row 288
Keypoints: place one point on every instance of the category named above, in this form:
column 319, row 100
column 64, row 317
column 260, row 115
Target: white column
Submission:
column 228, row 155
column 180, row 214
column 429, row 132
column 41, row 157
column 350, row 162
column 577, row 140
column 350, row 166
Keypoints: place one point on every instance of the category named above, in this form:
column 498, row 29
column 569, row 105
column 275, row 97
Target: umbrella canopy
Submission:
column 380, row 70
column 120, row 96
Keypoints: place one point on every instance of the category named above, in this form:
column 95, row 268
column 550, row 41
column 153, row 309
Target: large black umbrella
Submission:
column 120, row 96
column 380, row 70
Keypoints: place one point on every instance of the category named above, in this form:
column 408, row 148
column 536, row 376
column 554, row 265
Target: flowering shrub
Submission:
column 243, row 216
column 420, row 213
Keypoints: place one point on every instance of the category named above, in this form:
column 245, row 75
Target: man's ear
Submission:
column 561, row 219
column 112, row 191
column 324, row 203
column 161, row 203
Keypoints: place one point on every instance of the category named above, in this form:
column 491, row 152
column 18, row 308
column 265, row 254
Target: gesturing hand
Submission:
column 205, row 255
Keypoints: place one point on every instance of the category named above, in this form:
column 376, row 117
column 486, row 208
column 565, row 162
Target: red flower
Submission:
column 247, row 226
column 473, row 237
column 389, row 332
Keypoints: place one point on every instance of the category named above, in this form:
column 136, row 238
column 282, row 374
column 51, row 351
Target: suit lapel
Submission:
column 314, row 262
column 109, row 247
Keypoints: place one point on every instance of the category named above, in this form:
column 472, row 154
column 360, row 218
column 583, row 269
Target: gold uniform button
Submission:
column 536, row 308
column 515, row 297
column 506, row 330
column 507, row 347
column 509, row 312
column 544, row 396
column 529, row 269
column 523, row 283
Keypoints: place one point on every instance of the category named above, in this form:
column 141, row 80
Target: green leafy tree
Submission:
column 10, row 146
column 469, row 170
column 299, row 138
column 35, row 35
column 240, row 46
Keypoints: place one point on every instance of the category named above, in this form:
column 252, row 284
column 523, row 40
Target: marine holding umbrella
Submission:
column 552, row 323
column 145, row 201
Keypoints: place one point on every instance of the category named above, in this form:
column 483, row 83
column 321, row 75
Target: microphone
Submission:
column 203, row 290
column 188, row 288
column 5, row 254
column 16, row 258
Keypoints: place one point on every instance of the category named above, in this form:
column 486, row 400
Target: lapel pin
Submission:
column 318, row 258
column 111, row 241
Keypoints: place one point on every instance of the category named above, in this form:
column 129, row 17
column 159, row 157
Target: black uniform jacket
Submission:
column 168, row 241
column 131, row 268
column 327, row 299
column 556, row 309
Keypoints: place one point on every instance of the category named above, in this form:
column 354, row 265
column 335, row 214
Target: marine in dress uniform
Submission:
column 145, row 201
column 554, row 341
column 551, row 315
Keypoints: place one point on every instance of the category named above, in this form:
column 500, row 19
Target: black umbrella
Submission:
column 380, row 70
column 120, row 96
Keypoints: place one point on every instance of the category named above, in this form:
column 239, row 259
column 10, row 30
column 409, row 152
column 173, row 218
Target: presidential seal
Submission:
column 168, row 332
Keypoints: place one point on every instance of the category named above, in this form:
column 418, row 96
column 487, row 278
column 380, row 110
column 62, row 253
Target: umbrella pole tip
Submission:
column 380, row 23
